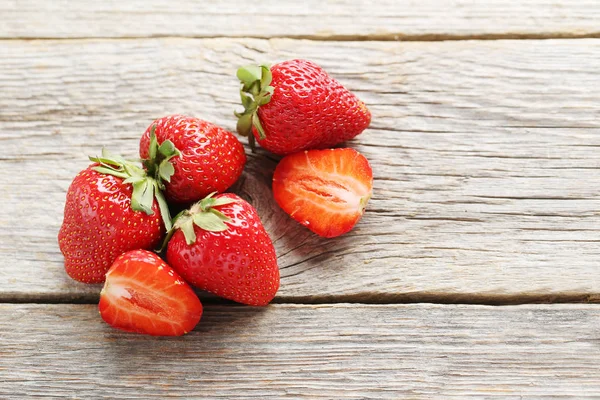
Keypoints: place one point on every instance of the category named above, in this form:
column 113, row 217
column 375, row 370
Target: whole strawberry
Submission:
column 191, row 157
column 111, row 207
column 295, row 105
column 221, row 246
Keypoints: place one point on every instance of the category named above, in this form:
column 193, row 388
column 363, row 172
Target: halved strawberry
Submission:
column 143, row 294
column 325, row 190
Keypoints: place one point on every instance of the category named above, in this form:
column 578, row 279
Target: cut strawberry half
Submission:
column 325, row 190
column 143, row 294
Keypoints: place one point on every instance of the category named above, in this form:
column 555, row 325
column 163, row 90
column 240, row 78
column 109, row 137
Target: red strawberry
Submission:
column 220, row 245
column 110, row 209
column 325, row 190
column 143, row 294
column 191, row 157
column 296, row 106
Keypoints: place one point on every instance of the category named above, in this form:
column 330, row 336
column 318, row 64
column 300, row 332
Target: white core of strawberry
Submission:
column 116, row 291
column 338, row 192
column 347, row 196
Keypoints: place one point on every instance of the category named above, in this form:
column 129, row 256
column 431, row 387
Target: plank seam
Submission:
column 388, row 37
column 383, row 299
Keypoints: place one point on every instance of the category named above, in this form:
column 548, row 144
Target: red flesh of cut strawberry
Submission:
column 143, row 294
column 325, row 190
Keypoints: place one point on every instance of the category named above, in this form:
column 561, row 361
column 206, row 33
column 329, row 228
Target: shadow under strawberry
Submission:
column 298, row 249
column 221, row 326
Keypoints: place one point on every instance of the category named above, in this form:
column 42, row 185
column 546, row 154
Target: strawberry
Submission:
column 143, row 294
column 111, row 207
column 191, row 157
column 221, row 246
column 325, row 190
column 295, row 105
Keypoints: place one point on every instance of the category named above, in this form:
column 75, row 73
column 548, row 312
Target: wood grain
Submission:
column 485, row 155
column 341, row 352
column 316, row 19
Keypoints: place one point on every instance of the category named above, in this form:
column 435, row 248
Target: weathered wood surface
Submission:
column 485, row 157
column 338, row 351
column 323, row 20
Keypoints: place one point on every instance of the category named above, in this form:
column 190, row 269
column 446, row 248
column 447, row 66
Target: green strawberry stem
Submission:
column 255, row 92
column 158, row 164
column 145, row 188
column 202, row 214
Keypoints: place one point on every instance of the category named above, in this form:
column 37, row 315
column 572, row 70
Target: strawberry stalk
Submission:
column 255, row 92
column 145, row 188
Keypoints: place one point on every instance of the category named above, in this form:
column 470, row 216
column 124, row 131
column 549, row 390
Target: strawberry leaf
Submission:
column 244, row 124
column 220, row 215
column 263, row 99
column 205, row 203
column 246, row 100
column 134, row 179
column 249, row 74
column 110, row 171
column 162, row 206
column 142, row 197
column 134, row 170
column 112, row 158
column 153, row 143
column 166, row 170
column 266, row 76
column 209, row 222
column 258, row 126
column 187, row 227
column 167, row 149
column 221, row 201
column 254, row 89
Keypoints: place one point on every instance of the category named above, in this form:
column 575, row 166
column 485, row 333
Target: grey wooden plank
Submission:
column 338, row 351
column 381, row 20
column 485, row 156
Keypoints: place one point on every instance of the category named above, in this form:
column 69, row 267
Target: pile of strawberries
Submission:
column 118, row 213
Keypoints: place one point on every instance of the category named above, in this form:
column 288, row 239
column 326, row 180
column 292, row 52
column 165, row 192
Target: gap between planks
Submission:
column 310, row 19
column 357, row 299
column 387, row 37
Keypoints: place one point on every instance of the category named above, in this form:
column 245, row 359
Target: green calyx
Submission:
column 202, row 214
column 158, row 164
column 145, row 188
column 363, row 202
column 255, row 92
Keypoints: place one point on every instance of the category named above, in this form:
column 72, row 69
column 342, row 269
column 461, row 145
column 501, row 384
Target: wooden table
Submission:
column 474, row 272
